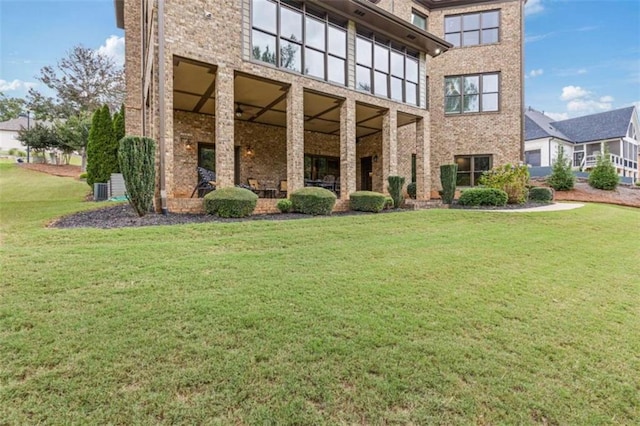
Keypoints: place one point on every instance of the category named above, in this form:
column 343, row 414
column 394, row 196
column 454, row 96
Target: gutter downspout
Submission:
column 162, row 118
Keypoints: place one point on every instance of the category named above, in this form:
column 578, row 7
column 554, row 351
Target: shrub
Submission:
column 102, row 150
column 230, row 202
column 367, row 201
column 448, row 178
column 83, row 175
column 388, row 203
column 562, row 178
column 136, row 156
column 17, row 153
column 395, row 190
column 412, row 190
column 312, row 200
column 540, row 194
column 511, row 179
column 604, row 175
column 483, row 197
column 284, row 205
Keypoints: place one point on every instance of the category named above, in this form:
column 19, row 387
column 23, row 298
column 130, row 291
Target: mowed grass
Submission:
column 429, row 317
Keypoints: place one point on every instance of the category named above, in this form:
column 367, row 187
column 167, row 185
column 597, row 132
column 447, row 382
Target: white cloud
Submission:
column 7, row 86
column 536, row 73
column 573, row 92
column 582, row 71
column 589, row 105
column 605, row 99
column 557, row 116
column 532, row 7
column 113, row 48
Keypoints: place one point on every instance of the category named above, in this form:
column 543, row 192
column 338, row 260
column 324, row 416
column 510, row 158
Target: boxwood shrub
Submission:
column 483, row 197
column 284, row 205
column 412, row 190
column 367, row 201
column 388, row 205
column 230, row 202
column 540, row 194
column 313, row 200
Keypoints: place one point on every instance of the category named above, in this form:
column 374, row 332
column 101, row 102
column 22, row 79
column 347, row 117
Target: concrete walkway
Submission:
column 555, row 207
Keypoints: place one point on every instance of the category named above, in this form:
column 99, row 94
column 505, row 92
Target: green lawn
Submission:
column 429, row 317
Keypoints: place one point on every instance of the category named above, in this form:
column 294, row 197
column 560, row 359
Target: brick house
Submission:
column 301, row 91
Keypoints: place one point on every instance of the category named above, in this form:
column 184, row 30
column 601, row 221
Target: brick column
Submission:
column 295, row 138
column 389, row 146
column 224, row 135
column 347, row 148
column 423, row 160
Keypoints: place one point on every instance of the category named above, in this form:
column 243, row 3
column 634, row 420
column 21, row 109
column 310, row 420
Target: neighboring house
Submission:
column 9, row 133
column 302, row 91
column 583, row 138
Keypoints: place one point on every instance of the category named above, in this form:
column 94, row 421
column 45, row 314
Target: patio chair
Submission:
column 283, row 188
column 254, row 185
column 206, row 182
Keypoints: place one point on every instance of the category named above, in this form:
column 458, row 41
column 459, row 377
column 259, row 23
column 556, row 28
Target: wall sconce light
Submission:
column 186, row 139
column 437, row 52
column 375, row 158
column 249, row 150
column 239, row 111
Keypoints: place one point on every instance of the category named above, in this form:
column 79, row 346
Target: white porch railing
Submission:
column 590, row 161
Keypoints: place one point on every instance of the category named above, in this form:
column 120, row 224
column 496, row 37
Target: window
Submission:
column 532, row 158
column 386, row 69
column 578, row 156
column 289, row 35
column 414, row 167
column 316, row 167
column 207, row 156
column 472, row 29
column 419, row 20
column 471, row 93
column 471, row 167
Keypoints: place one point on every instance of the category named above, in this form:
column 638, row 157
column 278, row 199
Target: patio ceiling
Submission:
column 264, row 101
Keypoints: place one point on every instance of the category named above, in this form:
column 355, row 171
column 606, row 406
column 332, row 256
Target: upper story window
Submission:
column 290, row 35
column 386, row 69
column 472, row 28
column 419, row 20
column 471, row 93
column 632, row 131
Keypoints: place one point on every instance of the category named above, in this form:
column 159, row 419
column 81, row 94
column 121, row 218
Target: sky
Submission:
column 581, row 56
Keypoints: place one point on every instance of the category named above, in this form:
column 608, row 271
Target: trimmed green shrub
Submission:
column 483, row 197
column 313, row 200
column 137, row 156
column 284, row 205
column 367, row 201
column 540, row 194
column 412, row 190
column 448, row 179
column 17, row 153
column 562, row 178
column 604, row 175
column 83, row 175
column 511, row 179
column 395, row 190
column 230, row 202
column 388, row 203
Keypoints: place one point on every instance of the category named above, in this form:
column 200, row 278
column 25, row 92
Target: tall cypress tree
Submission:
column 94, row 152
column 102, row 152
column 110, row 144
column 118, row 124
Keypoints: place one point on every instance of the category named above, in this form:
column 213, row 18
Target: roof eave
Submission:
column 119, row 8
column 365, row 13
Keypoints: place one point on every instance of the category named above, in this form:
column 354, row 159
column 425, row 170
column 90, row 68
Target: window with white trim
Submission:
column 419, row 20
column 472, row 93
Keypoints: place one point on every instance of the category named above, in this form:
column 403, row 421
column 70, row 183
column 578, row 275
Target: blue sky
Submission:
column 582, row 56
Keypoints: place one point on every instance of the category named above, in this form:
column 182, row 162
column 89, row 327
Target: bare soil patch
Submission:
column 54, row 169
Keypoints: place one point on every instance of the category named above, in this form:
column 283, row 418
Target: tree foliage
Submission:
column 102, row 153
column 82, row 81
column 604, row 175
column 39, row 137
column 136, row 156
column 118, row 124
column 73, row 134
column 10, row 107
column 562, row 178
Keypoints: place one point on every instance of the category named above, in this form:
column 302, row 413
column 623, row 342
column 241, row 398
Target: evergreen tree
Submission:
column 604, row 175
column 562, row 178
column 118, row 124
column 102, row 151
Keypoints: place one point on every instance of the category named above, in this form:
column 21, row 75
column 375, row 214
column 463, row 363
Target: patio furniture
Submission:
column 283, row 188
column 206, row 182
column 254, row 186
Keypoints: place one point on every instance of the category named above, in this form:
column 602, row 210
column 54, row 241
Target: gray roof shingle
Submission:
column 594, row 127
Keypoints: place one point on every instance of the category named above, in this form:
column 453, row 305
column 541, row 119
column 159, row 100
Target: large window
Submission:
column 472, row 29
column 471, row 167
column 290, row 35
column 386, row 69
column 471, row 93
column 316, row 167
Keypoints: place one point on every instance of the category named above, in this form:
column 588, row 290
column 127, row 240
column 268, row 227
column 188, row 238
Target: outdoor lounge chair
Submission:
column 206, row 182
